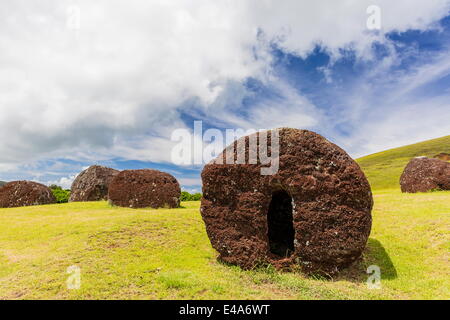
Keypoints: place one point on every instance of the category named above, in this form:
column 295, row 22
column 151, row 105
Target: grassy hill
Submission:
column 383, row 169
column 2, row 183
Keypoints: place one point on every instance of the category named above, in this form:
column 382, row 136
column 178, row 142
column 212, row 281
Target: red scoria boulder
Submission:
column 92, row 184
column 25, row 193
column 144, row 188
column 443, row 156
column 423, row 174
column 315, row 211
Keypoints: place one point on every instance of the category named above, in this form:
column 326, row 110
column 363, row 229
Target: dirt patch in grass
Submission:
column 14, row 257
column 130, row 235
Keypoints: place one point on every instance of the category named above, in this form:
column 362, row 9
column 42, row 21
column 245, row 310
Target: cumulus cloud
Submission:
column 64, row 182
column 97, row 80
column 190, row 181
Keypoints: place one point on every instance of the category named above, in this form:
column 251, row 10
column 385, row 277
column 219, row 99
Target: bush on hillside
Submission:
column 61, row 195
column 196, row 196
column 186, row 196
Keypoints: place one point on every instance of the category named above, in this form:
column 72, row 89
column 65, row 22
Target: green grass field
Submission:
column 165, row 253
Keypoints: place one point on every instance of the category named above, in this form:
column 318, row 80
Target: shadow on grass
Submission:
column 374, row 254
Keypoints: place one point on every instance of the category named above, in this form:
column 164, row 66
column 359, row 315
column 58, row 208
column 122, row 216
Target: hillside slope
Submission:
column 383, row 169
column 2, row 183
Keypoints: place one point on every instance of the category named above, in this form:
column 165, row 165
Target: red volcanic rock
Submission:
column 25, row 193
column 92, row 184
column 443, row 156
column 423, row 174
column 314, row 212
column 144, row 188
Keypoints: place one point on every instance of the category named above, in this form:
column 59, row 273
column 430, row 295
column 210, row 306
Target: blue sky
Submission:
column 113, row 94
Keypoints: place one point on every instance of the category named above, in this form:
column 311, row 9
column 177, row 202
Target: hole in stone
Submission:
column 280, row 224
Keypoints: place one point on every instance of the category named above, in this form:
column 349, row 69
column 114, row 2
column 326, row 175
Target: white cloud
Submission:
column 192, row 190
column 398, row 115
column 64, row 182
column 112, row 87
column 190, row 181
column 405, row 124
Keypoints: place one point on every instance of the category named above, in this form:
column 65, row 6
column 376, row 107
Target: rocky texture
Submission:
column 92, row 184
column 25, row 193
column 315, row 211
column 144, row 188
column 423, row 174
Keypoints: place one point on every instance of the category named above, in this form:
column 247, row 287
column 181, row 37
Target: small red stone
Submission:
column 424, row 174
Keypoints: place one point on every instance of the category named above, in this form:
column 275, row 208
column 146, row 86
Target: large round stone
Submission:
column 315, row 211
column 92, row 184
column 144, row 188
column 25, row 193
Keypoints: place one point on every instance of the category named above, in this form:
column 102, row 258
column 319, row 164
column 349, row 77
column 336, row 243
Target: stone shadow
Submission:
column 374, row 254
